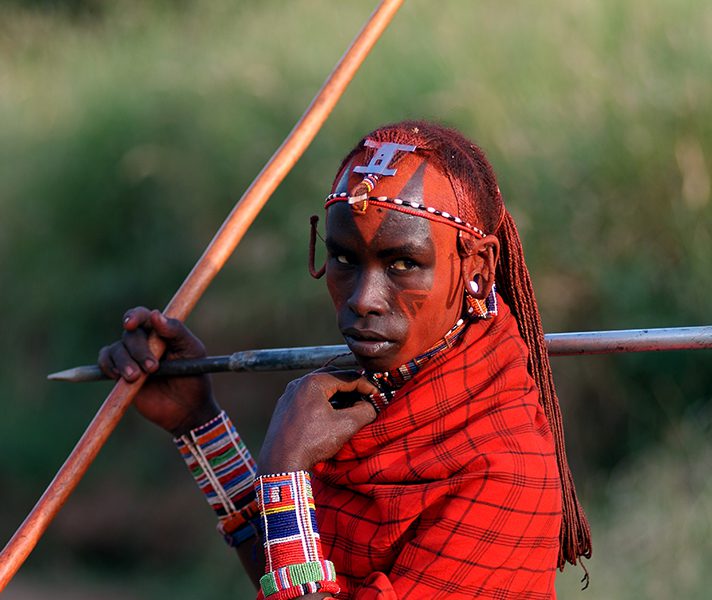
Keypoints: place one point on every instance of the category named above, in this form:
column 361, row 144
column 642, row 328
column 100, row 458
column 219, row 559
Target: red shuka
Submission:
column 453, row 491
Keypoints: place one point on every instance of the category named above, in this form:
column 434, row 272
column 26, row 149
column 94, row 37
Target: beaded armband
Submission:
column 295, row 565
column 224, row 470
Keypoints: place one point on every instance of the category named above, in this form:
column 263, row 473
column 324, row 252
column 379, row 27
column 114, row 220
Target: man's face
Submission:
column 394, row 280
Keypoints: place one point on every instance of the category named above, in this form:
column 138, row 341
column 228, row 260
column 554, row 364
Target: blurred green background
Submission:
column 127, row 131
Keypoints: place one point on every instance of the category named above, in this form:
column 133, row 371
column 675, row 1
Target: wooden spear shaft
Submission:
column 198, row 280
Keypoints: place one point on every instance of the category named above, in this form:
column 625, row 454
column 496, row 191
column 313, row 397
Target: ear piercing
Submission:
column 475, row 286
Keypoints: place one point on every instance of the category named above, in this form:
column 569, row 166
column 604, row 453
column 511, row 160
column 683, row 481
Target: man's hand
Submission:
column 177, row 404
column 306, row 429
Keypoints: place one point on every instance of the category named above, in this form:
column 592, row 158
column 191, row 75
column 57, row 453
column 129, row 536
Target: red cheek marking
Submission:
column 411, row 301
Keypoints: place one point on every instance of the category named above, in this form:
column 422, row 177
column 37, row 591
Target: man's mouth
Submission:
column 367, row 343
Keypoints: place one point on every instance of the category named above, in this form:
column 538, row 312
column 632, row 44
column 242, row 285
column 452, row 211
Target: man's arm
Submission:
column 252, row 556
column 178, row 405
column 305, row 429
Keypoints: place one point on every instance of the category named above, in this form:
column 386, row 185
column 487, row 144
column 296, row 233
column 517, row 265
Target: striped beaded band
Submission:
column 294, row 560
column 224, row 470
column 369, row 182
column 406, row 206
column 298, row 580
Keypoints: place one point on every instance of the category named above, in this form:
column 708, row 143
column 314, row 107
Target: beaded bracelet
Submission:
column 224, row 470
column 295, row 565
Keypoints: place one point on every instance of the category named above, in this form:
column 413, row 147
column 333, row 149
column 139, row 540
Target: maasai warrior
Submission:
column 439, row 470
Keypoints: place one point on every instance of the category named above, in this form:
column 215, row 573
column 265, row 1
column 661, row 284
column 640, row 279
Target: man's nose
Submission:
column 370, row 294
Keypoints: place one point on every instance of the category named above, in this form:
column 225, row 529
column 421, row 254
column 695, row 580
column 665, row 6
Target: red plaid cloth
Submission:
column 453, row 491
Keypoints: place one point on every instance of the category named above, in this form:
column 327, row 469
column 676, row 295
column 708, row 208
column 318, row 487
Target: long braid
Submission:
column 515, row 286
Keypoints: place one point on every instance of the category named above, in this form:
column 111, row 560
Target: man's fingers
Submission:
column 354, row 382
column 178, row 337
column 365, row 387
column 167, row 328
column 357, row 416
column 140, row 321
column 123, row 363
column 136, row 343
column 136, row 317
column 106, row 364
column 344, row 381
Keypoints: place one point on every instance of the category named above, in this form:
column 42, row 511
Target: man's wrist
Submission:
column 277, row 460
column 295, row 565
column 197, row 418
column 281, row 466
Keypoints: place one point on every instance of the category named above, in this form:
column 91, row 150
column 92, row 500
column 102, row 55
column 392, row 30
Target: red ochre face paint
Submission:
column 395, row 282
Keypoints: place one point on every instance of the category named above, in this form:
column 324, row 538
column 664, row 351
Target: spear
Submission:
column 313, row 357
column 195, row 284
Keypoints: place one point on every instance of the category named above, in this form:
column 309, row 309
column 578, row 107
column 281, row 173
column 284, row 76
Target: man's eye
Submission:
column 403, row 264
column 341, row 259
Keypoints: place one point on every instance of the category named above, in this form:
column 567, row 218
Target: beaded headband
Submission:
column 361, row 203
column 382, row 167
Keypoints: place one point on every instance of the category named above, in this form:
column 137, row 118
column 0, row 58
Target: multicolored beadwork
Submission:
column 381, row 400
column 298, row 580
column 369, row 182
column 406, row 206
column 294, row 562
column 225, row 471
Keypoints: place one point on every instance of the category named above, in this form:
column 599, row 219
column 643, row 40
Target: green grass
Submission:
column 652, row 532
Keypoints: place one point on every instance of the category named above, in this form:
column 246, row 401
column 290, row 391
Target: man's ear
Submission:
column 478, row 259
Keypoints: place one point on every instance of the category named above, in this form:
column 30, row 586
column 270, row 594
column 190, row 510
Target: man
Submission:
column 438, row 471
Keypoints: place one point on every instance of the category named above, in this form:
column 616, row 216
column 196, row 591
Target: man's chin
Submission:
column 376, row 364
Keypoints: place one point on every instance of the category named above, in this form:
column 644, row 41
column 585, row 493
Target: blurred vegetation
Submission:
column 130, row 128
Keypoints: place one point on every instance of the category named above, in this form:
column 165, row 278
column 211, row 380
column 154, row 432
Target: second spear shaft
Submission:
column 313, row 357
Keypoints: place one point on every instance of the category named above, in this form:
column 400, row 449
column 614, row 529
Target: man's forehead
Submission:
column 340, row 218
column 414, row 179
column 383, row 227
